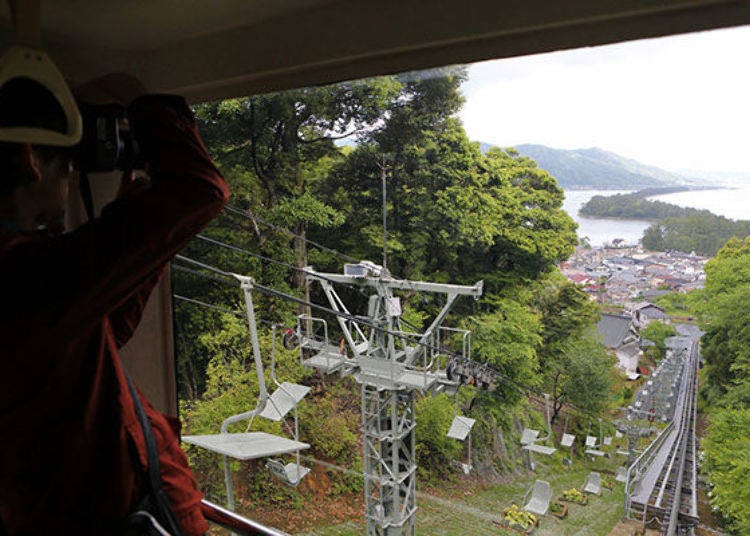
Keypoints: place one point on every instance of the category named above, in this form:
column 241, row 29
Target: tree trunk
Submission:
column 300, row 278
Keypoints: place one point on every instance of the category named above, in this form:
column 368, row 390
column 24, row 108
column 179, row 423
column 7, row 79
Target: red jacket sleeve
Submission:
column 81, row 276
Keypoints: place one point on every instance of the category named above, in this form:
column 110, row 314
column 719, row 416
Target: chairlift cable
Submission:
column 270, row 260
column 522, row 388
column 208, row 305
column 250, row 215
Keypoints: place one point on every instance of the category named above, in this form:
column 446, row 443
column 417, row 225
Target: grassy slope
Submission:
column 454, row 511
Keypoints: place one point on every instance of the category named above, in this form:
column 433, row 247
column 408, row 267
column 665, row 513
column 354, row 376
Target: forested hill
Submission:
column 597, row 169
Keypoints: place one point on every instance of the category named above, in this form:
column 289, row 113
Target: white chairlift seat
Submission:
column 246, row 446
column 622, row 474
column 290, row 473
column 529, row 436
column 541, row 449
column 540, row 497
column 593, row 484
column 284, row 400
column 567, row 440
column 591, row 444
column 465, row 468
column 460, row 427
column 622, row 452
column 608, row 441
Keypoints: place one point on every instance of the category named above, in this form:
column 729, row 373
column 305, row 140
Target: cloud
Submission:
column 677, row 102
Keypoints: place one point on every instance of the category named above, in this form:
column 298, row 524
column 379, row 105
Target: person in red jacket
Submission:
column 72, row 453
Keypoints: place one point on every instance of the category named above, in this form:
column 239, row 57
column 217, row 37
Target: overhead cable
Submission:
column 524, row 389
column 270, row 260
column 250, row 215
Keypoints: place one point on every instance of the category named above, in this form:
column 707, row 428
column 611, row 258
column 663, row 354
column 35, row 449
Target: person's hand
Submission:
column 132, row 184
column 119, row 88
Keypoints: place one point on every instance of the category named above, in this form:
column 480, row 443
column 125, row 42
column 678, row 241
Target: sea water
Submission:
column 731, row 203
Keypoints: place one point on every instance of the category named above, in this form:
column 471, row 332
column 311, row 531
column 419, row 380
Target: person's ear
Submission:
column 28, row 164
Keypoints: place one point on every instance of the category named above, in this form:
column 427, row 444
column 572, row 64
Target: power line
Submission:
column 250, row 215
column 269, row 260
column 208, row 305
column 524, row 389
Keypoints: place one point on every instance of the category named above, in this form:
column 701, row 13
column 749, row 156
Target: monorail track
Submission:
column 662, row 494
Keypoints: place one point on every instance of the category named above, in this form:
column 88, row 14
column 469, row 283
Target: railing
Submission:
column 644, row 460
column 235, row 522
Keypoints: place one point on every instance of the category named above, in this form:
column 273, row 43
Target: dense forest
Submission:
column 725, row 381
column 455, row 215
column 675, row 228
column 721, row 308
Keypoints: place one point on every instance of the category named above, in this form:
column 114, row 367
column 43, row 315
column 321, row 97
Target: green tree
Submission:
column 658, row 332
column 727, row 467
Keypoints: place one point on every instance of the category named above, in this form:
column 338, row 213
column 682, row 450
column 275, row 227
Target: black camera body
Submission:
column 106, row 144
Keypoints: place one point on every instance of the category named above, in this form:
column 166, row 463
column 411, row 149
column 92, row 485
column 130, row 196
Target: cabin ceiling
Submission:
column 210, row 49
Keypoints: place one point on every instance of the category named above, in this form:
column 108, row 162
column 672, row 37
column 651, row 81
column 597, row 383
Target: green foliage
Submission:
column 574, row 495
column 679, row 303
column 435, row 450
column 519, row 517
column 589, row 371
column 508, row 339
column 727, row 467
column 658, row 332
column 330, row 428
column 726, row 343
column 704, row 233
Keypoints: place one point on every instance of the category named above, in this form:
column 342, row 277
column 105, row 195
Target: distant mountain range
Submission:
column 597, row 169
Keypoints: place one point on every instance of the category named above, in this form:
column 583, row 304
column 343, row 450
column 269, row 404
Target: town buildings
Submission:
column 621, row 276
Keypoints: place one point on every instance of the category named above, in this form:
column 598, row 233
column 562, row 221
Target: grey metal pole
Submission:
column 385, row 226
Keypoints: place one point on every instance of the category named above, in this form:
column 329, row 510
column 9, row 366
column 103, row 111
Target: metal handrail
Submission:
column 235, row 522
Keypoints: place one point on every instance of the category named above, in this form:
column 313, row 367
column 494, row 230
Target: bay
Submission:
column 601, row 231
column 731, row 203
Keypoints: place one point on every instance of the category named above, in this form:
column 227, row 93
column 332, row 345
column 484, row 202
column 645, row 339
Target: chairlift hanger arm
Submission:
column 402, row 284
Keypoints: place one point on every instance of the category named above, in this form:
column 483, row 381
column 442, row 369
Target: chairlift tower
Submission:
column 390, row 365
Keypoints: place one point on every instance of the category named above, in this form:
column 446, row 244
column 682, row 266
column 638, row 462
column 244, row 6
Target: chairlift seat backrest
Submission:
column 540, row 497
column 567, row 440
column 529, row 436
column 460, row 427
column 608, row 441
column 622, row 474
column 591, row 442
column 290, row 473
column 284, row 400
column 593, row 483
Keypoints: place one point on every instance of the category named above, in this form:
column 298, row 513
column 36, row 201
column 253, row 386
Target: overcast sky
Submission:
column 680, row 103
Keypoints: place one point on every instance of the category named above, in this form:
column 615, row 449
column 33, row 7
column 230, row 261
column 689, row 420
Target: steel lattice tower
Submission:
column 389, row 367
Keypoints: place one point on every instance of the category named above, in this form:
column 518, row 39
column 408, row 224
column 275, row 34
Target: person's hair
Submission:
column 24, row 102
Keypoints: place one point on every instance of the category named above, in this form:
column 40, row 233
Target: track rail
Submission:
column 662, row 491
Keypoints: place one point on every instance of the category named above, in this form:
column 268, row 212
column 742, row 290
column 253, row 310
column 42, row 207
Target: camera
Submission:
column 107, row 144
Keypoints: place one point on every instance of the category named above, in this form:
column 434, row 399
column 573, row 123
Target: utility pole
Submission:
column 385, row 211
